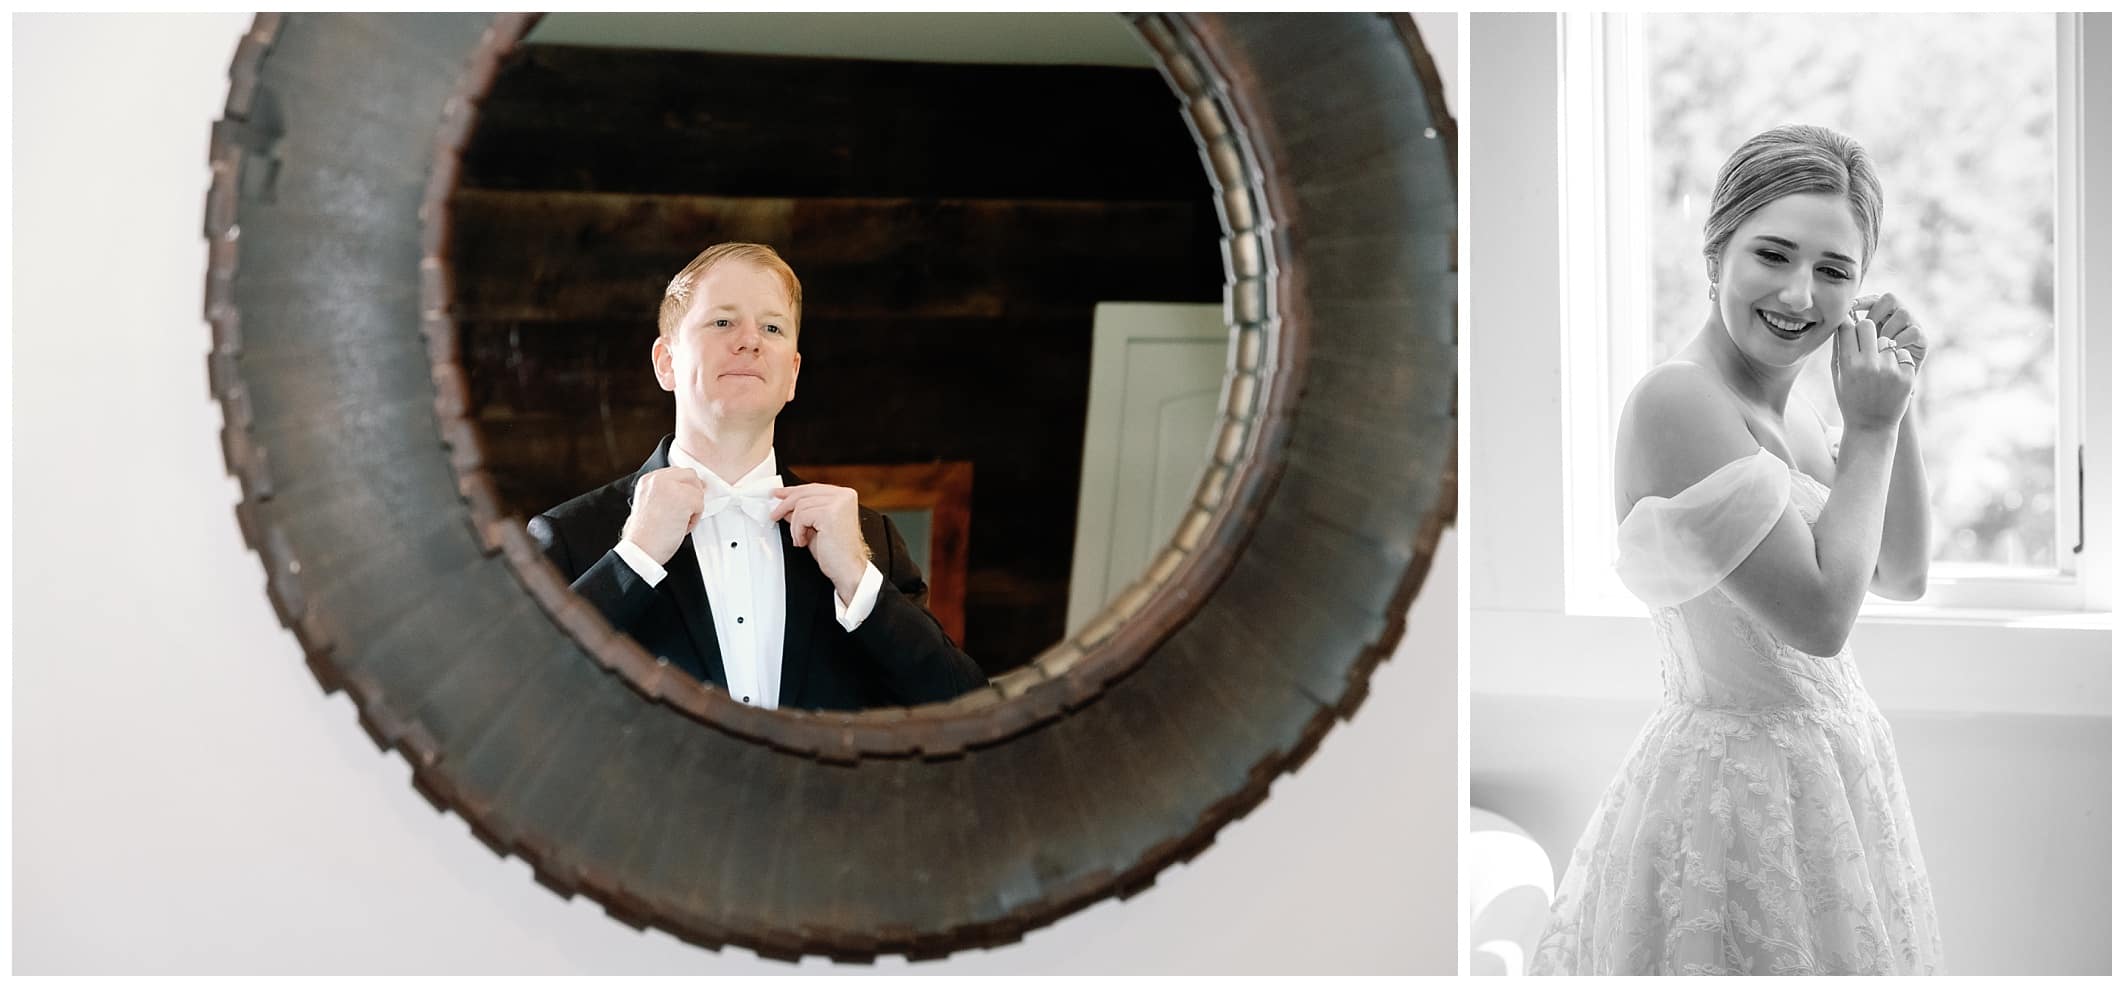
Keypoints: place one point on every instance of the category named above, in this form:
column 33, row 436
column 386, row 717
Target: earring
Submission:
column 1714, row 291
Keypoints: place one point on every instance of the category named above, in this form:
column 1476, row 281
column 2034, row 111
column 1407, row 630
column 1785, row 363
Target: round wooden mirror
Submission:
column 924, row 830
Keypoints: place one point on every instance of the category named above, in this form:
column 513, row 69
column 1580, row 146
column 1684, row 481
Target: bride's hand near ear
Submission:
column 1894, row 321
column 1872, row 382
column 1905, row 560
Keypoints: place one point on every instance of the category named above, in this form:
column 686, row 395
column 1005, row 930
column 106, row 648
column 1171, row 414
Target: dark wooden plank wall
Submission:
column 953, row 226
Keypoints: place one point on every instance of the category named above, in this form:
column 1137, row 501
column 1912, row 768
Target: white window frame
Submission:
column 1606, row 282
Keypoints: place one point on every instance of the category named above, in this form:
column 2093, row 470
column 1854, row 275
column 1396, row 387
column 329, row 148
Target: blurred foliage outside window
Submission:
column 1959, row 115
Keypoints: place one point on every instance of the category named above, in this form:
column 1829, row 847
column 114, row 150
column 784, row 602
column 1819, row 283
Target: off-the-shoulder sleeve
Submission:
column 1672, row 549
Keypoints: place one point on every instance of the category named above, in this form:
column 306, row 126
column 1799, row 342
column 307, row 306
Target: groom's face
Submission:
column 733, row 357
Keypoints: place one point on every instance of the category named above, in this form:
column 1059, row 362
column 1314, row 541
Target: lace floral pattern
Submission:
column 1759, row 824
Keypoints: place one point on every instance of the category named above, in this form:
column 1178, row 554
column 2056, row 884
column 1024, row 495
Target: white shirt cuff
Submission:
column 866, row 597
column 639, row 561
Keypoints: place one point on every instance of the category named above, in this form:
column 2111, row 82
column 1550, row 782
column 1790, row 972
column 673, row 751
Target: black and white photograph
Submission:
column 1790, row 471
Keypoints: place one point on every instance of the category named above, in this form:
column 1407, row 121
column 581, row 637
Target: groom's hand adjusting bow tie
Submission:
column 667, row 503
column 823, row 519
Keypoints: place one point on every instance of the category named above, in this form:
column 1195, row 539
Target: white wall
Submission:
column 2003, row 725
column 186, row 800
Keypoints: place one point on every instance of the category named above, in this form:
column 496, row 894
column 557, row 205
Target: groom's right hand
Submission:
column 667, row 502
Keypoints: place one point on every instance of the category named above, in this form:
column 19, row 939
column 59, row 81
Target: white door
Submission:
column 1157, row 372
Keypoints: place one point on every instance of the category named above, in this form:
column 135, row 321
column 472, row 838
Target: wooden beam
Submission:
column 571, row 255
column 642, row 120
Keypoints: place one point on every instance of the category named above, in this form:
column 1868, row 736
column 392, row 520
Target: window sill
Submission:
column 1921, row 613
column 1881, row 611
column 1958, row 662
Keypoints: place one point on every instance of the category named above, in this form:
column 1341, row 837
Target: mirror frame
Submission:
column 521, row 709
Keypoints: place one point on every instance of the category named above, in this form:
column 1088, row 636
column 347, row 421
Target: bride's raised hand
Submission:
column 1873, row 377
column 1894, row 321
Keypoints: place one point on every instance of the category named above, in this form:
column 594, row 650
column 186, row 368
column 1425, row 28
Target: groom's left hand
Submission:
column 823, row 519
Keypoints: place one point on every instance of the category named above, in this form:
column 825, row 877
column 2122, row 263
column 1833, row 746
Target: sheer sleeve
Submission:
column 1672, row 549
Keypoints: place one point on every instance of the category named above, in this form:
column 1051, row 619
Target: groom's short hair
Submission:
column 678, row 295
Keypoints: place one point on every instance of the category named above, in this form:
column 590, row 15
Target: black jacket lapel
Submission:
column 683, row 585
column 688, row 592
column 806, row 591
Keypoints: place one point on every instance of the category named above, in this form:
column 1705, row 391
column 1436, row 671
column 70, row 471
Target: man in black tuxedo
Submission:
column 787, row 594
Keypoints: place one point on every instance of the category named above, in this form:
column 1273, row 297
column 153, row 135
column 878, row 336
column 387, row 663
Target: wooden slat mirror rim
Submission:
column 1115, row 755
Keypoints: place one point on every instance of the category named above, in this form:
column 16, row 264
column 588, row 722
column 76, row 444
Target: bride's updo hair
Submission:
column 1795, row 159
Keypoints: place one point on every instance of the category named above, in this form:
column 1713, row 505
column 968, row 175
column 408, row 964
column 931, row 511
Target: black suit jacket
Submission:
column 898, row 656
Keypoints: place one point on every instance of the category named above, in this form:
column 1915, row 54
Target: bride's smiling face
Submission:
column 1787, row 278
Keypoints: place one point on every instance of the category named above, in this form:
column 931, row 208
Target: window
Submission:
column 1982, row 234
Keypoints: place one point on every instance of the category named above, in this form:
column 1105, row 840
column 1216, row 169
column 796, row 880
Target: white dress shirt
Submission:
column 741, row 565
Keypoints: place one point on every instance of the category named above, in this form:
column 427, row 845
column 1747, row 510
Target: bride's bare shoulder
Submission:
column 1676, row 386
column 1679, row 401
column 1679, row 424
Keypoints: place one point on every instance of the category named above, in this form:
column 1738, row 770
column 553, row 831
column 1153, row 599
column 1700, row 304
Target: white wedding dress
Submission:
column 1759, row 824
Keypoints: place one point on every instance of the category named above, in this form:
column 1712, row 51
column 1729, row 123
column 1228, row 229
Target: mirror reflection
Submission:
column 949, row 404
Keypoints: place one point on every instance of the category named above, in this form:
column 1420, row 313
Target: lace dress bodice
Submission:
column 1714, row 654
column 1759, row 823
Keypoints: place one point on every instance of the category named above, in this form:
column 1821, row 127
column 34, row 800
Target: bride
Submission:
column 1759, row 823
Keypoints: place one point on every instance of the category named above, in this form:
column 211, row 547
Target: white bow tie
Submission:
column 755, row 498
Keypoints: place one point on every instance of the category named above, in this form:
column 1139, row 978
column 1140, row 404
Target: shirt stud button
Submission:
column 741, row 620
column 733, row 545
column 747, row 699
